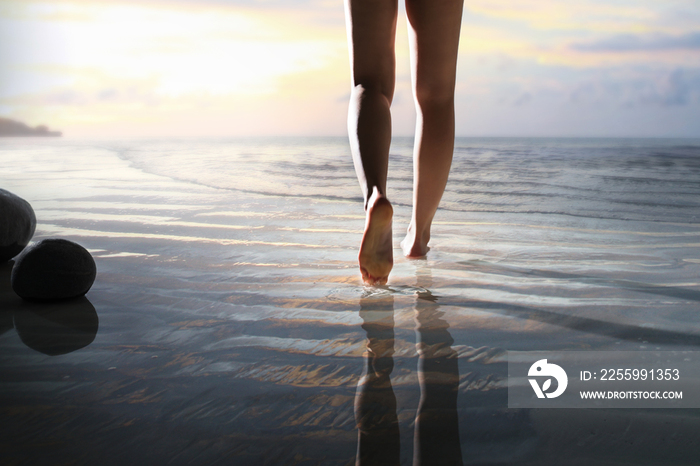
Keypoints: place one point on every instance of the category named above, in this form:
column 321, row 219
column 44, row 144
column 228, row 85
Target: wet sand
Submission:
column 231, row 327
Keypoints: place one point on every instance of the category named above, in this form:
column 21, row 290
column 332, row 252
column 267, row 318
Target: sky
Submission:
column 231, row 68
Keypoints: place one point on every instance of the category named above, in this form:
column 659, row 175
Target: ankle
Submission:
column 415, row 245
column 418, row 237
column 374, row 197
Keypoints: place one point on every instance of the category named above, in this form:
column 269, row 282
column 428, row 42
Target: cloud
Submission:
column 224, row 67
column 641, row 43
column 672, row 88
column 679, row 88
column 523, row 99
column 583, row 15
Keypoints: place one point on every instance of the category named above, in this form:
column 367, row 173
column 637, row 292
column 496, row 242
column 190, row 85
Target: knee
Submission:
column 435, row 97
column 372, row 90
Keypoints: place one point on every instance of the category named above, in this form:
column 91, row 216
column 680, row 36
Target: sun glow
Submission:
column 215, row 68
column 116, row 59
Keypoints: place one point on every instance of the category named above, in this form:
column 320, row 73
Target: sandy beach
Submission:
column 228, row 323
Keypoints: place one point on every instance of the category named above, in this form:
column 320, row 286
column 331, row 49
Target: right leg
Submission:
column 371, row 26
column 434, row 39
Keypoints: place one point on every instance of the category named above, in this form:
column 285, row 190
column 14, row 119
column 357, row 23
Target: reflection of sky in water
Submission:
column 229, row 304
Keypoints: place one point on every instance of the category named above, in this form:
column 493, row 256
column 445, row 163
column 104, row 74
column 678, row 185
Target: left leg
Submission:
column 371, row 26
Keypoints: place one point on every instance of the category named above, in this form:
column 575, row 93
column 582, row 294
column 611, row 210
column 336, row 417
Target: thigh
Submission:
column 434, row 39
column 371, row 26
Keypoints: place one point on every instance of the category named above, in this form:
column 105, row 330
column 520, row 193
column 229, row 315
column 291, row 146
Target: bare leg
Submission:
column 434, row 40
column 371, row 26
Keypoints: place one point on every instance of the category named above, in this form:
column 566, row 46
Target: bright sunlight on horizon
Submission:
column 229, row 68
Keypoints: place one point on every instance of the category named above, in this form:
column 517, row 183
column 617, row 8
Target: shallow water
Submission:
column 228, row 323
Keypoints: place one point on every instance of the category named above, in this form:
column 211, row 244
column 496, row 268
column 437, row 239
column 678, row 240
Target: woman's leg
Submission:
column 371, row 26
column 434, row 39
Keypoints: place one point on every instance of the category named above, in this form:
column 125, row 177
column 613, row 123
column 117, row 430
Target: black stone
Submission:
column 53, row 269
column 17, row 224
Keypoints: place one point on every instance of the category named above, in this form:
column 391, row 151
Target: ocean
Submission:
column 228, row 322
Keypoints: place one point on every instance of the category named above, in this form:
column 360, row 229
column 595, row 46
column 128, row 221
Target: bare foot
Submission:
column 414, row 247
column 376, row 250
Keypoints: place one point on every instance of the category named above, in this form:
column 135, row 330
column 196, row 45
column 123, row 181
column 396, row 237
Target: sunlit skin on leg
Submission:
column 414, row 245
column 434, row 27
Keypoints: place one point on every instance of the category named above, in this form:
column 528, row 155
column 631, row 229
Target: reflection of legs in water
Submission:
column 434, row 37
column 375, row 402
column 436, row 438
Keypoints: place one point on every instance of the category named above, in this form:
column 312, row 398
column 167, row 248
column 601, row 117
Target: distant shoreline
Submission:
column 12, row 128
